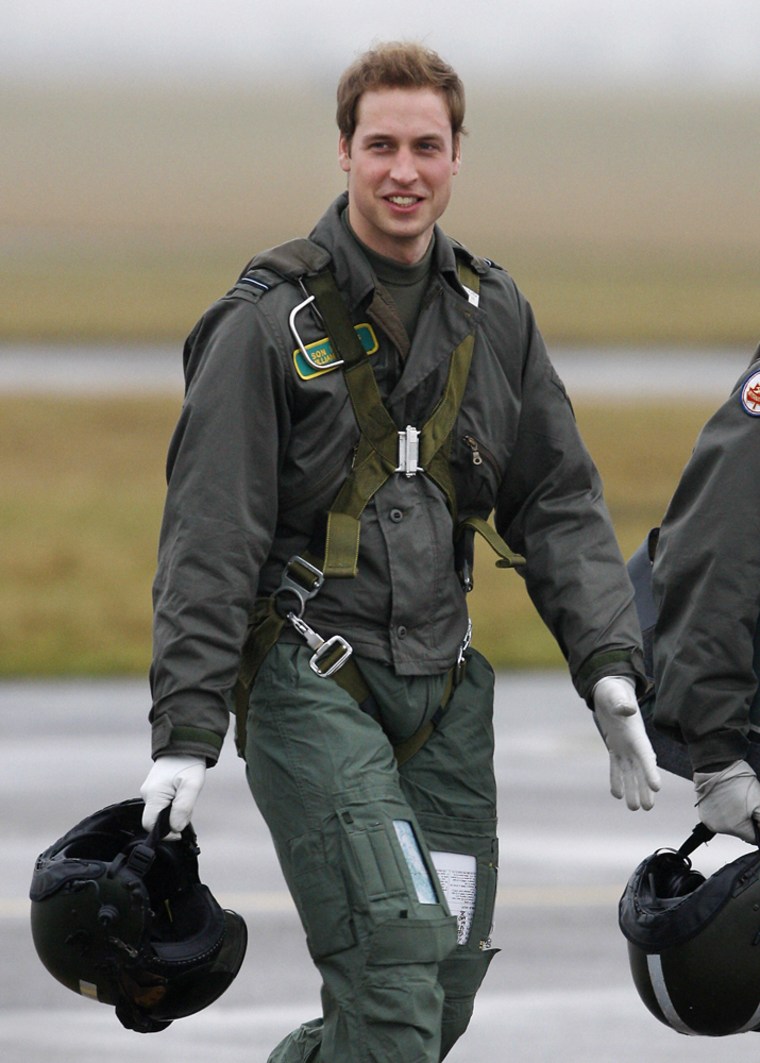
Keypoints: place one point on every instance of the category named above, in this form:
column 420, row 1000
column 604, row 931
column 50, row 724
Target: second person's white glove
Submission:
column 729, row 801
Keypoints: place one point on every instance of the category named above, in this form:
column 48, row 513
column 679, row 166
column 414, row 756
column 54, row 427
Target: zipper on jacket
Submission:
column 472, row 443
column 481, row 455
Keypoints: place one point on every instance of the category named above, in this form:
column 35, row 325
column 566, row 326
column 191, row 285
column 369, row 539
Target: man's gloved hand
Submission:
column 175, row 781
column 728, row 801
column 633, row 765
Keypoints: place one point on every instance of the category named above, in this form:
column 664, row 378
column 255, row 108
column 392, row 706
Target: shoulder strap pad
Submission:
column 292, row 260
column 464, row 257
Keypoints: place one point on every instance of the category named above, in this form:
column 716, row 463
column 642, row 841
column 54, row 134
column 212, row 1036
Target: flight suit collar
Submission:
column 352, row 269
column 353, row 272
column 447, row 315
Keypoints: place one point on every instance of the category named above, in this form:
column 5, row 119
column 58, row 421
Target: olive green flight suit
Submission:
column 262, row 445
column 395, row 983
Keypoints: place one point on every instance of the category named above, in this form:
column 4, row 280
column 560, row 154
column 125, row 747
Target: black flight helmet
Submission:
column 694, row 942
column 121, row 916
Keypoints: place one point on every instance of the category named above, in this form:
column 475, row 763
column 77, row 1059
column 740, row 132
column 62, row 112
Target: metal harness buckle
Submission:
column 322, row 647
column 323, row 651
column 290, row 585
column 409, row 451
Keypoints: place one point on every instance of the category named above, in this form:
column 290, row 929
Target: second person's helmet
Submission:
column 694, row 942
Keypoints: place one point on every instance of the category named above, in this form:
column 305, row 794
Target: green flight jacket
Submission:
column 706, row 584
column 264, row 441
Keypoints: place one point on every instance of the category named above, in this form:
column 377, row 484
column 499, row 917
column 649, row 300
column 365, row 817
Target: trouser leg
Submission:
column 357, row 865
column 450, row 784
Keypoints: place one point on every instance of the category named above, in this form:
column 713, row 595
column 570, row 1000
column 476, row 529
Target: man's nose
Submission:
column 404, row 169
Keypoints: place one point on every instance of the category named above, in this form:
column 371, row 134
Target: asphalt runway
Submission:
column 560, row 990
column 620, row 374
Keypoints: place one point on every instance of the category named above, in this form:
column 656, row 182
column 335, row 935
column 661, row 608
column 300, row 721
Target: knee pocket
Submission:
column 406, row 941
column 461, row 974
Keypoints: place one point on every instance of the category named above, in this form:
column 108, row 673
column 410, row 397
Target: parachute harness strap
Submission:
column 382, row 450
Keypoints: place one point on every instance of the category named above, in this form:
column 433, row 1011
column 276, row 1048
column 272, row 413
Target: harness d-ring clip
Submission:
column 297, row 336
column 303, row 588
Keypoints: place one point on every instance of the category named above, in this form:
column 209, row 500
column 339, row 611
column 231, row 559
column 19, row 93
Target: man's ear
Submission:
column 344, row 153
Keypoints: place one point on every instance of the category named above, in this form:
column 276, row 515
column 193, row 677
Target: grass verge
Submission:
column 82, row 494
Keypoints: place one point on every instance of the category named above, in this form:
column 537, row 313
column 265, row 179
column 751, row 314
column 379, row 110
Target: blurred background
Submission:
column 150, row 149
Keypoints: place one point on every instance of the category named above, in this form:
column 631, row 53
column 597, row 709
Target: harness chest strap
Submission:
column 377, row 452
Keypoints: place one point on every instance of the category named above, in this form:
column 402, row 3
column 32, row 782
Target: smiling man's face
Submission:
column 400, row 164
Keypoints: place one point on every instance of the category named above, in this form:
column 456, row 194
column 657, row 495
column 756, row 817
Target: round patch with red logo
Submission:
column 750, row 394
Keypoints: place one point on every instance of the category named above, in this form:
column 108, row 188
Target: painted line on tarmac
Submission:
column 572, row 896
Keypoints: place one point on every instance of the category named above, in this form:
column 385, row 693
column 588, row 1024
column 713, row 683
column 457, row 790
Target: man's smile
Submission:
column 403, row 201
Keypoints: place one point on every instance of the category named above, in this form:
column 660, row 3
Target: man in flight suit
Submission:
column 356, row 407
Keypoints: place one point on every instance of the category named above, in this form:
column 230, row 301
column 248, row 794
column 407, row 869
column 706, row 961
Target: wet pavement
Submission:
column 560, row 990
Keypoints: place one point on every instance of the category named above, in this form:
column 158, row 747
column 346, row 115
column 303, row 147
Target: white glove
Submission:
column 633, row 764
column 729, row 800
column 175, row 781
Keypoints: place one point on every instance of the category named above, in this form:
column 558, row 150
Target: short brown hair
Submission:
column 398, row 64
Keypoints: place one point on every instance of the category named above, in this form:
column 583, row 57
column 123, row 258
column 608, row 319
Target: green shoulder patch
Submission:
column 322, row 358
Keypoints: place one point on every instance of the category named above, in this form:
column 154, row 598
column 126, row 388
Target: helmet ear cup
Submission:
column 671, row 875
column 122, row 917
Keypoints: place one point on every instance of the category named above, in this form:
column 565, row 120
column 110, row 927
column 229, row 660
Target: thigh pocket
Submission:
column 388, row 864
column 399, row 912
column 378, row 872
column 386, row 858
